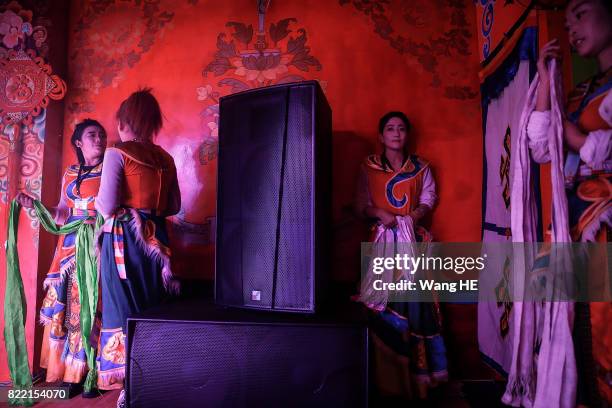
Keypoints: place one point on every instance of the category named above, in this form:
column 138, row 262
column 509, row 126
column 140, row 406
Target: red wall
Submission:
column 369, row 56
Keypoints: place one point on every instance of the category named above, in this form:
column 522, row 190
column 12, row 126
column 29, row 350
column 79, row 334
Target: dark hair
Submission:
column 78, row 134
column 381, row 127
column 142, row 113
column 394, row 114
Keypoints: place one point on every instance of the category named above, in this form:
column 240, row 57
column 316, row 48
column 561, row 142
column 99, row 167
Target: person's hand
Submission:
column 25, row 200
column 418, row 213
column 386, row 218
column 550, row 50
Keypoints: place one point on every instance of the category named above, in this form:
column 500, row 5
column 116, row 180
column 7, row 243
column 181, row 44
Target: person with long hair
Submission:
column 395, row 186
column 139, row 189
column 63, row 353
column 588, row 174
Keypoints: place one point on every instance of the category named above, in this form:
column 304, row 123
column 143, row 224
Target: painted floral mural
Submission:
column 23, row 37
column 245, row 60
column 111, row 37
column 442, row 53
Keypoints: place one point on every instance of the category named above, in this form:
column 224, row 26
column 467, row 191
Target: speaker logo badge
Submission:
column 256, row 295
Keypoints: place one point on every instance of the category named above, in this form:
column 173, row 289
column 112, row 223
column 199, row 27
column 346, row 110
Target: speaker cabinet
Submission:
column 196, row 355
column 273, row 198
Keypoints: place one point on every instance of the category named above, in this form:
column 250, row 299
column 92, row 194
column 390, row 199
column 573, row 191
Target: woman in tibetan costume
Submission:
column 587, row 131
column 139, row 189
column 396, row 189
column 63, row 353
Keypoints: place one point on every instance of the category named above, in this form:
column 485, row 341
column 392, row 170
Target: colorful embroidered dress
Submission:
column 590, row 207
column 409, row 328
column 588, row 177
column 62, row 352
column 139, row 189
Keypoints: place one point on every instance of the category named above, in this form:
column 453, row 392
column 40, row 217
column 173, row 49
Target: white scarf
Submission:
column 384, row 245
column 551, row 381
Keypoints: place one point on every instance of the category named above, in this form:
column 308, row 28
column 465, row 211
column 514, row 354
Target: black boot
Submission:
column 94, row 393
column 73, row 389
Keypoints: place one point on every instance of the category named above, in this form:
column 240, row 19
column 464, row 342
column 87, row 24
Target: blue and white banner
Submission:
column 503, row 97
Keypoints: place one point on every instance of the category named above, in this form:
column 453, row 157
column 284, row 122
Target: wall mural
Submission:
column 219, row 50
column 245, row 61
column 403, row 25
column 245, row 58
column 27, row 85
column 17, row 30
column 107, row 49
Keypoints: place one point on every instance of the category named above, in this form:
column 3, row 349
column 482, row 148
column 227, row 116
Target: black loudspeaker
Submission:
column 273, row 198
column 201, row 355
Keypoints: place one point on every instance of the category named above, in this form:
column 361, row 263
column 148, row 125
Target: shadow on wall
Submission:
column 349, row 151
column 195, row 250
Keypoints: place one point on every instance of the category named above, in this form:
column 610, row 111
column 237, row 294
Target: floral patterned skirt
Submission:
column 132, row 288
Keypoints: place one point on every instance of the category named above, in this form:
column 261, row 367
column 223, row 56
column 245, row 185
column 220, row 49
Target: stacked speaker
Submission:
column 273, row 198
column 273, row 219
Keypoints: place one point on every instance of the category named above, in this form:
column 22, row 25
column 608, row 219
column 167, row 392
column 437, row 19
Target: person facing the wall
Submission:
column 588, row 171
column 63, row 354
column 397, row 189
column 139, row 189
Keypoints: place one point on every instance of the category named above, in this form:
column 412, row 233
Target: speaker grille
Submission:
column 232, row 365
column 257, row 265
column 295, row 261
